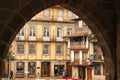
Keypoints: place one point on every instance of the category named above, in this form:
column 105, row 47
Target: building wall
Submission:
column 98, row 77
column 38, row 57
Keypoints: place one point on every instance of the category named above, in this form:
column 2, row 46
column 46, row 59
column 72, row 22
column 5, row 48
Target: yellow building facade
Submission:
column 39, row 47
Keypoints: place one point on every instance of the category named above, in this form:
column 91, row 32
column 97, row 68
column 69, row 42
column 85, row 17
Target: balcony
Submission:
column 77, row 62
column 20, row 38
column 45, row 39
column 78, row 45
column 96, row 58
column 92, row 38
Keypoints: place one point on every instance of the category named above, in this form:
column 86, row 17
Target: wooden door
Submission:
column 89, row 73
column 69, row 69
column 48, row 69
column 45, row 69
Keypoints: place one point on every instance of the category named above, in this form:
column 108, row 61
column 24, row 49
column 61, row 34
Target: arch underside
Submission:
column 89, row 11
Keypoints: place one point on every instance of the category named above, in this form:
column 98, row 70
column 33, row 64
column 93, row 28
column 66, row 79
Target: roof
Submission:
column 76, row 34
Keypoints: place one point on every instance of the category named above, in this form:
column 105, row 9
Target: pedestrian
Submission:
column 63, row 74
column 11, row 74
column 66, row 73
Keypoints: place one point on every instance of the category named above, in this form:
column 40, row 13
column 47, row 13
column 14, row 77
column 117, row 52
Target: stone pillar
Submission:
column 2, row 68
column 80, row 57
column 72, row 56
column 109, row 67
column 118, row 48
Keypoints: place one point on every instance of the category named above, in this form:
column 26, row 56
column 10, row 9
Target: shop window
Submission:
column 20, row 67
column 31, row 67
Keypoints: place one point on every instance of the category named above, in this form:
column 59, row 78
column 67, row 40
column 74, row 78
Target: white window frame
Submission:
column 46, row 33
column 32, row 32
column 21, row 34
column 59, row 34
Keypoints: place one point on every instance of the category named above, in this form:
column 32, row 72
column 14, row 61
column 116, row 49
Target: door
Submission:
column 45, row 69
column 69, row 69
column 89, row 73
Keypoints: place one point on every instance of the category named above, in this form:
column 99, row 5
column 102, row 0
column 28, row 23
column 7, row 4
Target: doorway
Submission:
column 69, row 69
column 89, row 73
column 45, row 69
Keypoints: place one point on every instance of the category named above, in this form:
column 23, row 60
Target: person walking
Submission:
column 11, row 74
column 63, row 74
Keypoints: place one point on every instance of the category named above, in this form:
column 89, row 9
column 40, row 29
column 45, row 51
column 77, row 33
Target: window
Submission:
column 20, row 67
column 46, row 12
column 32, row 67
column 69, row 31
column 46, row 32
column 59, row 49
column 60, row 13
column 32, row 31
column 76, row 56
column 103, row 69
column 20, row 49
column 45, row 48
column 21, row 33
column 59, row 32
column 97, row 49
column 97, row 69
column 80, row 24
column 69, row 14
column 31, row 48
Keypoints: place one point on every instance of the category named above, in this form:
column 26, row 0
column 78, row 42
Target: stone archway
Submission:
column 92, row 12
